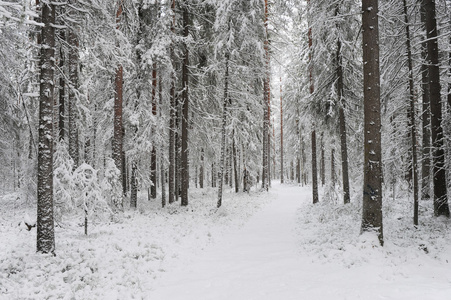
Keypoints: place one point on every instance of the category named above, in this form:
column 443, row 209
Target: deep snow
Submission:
column 272, row 245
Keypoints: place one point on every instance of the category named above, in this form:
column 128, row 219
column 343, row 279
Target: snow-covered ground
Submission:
column 272, row 245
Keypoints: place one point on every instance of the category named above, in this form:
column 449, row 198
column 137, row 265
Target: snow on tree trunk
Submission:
column 314, row 169
column 185, row 112
column 312, row 89
column 201, row 169
column 323, row 161
column 342, row 127
column 412, row 114
column 372, row 182
column 172, row 128
column 153, row 154
column 441, row 207
column 45, row 225
column 426, row 117
column 281, row 133
column 235, row 167
column 73, row 89
column 62, row 88
column 223, row 129
column 117, row 121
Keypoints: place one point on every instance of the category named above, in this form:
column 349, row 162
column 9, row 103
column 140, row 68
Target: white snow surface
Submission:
column 274, row 245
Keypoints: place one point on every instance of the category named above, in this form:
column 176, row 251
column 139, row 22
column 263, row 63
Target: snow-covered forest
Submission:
column 225, row 149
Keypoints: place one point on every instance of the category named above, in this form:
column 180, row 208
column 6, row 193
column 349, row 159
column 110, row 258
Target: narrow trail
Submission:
column 264, row 260
column 258, row 261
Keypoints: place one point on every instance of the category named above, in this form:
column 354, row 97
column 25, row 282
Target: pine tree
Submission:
column 441, row 207
column 45, row 225
column 372, row 182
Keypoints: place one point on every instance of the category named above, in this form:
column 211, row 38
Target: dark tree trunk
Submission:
column 235, row 167
column 213, row 175
column 134, row 186
column 332, row 166
column 62, row 88
column 412, row 124
column 342, row 121
column 426, row 124
column 153, row 173
column 323, row 162
column 45, row 241
column 185, row 112
column 223, row 129
column 314, row 169
column 372, row 186
column 281, row 133
column 201, row 169
column 73, row 88
column 266, row 99
column 441, row 207
column 117, row 121
column 153, row 155
column 172, row 127
column 312, row 89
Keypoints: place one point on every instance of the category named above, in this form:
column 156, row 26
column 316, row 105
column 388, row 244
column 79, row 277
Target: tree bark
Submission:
column 201, row 169
column 45, row 242
column 153, row 154
column 426, row 117
column 323, row 161
column 235, row 167
column 62, row 88
column 185, row 112
column 314, row 169
column 266, row 99
column 73, row 88
column 281, row 133
column 342, row 127
column 223, row 130
column 412, row 124
column 372, row 186
column 441, row 207
column 117, row 121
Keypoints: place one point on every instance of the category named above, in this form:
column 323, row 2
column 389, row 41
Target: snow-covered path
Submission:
column 258, row 261
column 264, row 260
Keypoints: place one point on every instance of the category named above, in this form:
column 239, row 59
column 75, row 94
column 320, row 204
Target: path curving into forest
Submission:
column 283, row 253
column 258, row 261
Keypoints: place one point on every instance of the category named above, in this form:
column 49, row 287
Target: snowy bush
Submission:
column 62, row 181
column 88, row 193
column 111, row 186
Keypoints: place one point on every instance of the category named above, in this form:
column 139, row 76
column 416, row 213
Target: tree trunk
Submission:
column 117, row 125
column 201, row 169
column 323, row 162
column 412, row 124
column 314, row 169
column 153, row 154
column 372, row 186
column 266, row 99
column 426, row 124
column 134, row 186
column 281, row 133
column 441, row 207
column 235, row 168
column 312, row 89
column 185, row 111
column 332, row 166
column 172, row 127
column 62, row 88
column 342, row 121
column 73, row 88
column 45, row 241
column 223, row 130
